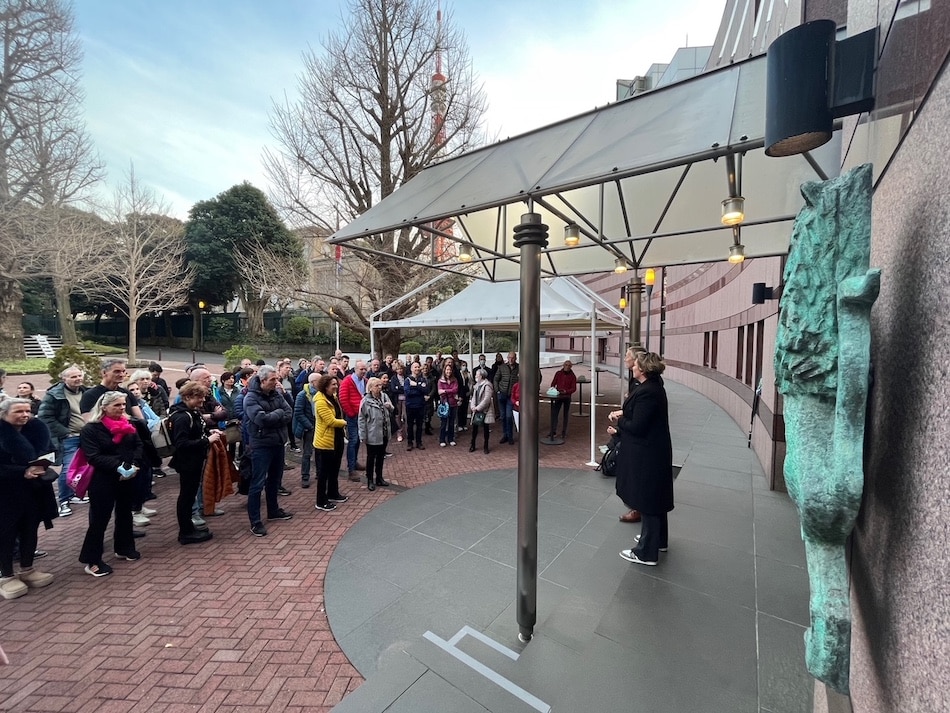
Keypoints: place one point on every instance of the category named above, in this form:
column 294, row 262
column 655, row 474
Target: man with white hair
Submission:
column 59, row 410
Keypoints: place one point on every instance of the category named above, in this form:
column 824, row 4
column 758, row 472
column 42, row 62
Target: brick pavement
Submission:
column 233, row 625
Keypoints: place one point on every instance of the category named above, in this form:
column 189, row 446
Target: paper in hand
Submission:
column 46, row 460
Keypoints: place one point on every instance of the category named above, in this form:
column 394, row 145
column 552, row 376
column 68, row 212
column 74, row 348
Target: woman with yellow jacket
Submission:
column 328, row 443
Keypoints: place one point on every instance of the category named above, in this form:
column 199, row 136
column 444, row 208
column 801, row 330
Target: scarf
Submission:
column 119, row 428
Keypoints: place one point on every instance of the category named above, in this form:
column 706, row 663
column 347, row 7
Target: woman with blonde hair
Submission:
column 112, row 446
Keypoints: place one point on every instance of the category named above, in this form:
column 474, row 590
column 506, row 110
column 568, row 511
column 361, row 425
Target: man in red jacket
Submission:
column 352, row 390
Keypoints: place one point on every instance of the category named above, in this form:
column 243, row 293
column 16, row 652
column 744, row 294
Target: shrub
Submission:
column 410, row 347
column 298, row 329
column 234, row 355
column 68, row 355
column 220, row 329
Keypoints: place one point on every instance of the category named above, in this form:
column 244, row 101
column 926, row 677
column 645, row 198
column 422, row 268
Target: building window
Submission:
column 572, row 344
column 740, row 350
column 706, row 344
column 759, row 350
column 714, row 351
column 749, row 353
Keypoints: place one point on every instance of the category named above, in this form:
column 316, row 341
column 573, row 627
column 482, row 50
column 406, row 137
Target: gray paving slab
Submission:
column 717, row 626
column 784, row 685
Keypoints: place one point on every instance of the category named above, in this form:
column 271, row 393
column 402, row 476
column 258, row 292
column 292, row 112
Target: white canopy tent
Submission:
column 566, row 303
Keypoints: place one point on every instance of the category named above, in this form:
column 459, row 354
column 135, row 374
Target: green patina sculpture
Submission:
column 822, row 358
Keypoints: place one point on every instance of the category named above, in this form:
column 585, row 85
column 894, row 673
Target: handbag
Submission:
column 162, row 438
column 478, row 418
column 232, row 432
column 79, row 474
column 443, row 409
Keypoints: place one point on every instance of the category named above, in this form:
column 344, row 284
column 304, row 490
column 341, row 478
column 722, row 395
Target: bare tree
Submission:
column 373, row 112
column 65, row 245
column 147, row 271
column 274, row 279
column 46, row 157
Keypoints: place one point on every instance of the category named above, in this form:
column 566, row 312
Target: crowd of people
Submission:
column 237, row 427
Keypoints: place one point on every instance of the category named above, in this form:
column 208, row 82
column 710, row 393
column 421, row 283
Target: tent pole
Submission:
column 531, row 235
column 593, row 384
column 471, row 355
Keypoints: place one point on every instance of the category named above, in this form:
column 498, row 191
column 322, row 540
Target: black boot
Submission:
column 471, row 448
column 370, row 485
column 382, row 483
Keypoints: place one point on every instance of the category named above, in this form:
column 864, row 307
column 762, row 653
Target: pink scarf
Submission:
column 118, row 427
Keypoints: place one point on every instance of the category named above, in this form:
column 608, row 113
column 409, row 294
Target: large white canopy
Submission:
column 641, row 178
column 565, row 303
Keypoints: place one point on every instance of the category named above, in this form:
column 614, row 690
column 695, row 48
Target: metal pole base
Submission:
column 525, row 635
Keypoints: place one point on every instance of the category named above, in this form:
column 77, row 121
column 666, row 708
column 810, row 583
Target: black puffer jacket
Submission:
column 188, row 437
column 266, row 415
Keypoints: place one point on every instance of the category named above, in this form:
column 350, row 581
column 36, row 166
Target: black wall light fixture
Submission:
column 813, row 80
column 761, row 293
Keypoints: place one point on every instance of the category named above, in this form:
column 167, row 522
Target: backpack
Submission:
column 608, row 464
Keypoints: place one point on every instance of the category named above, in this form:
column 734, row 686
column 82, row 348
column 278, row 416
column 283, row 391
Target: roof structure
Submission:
column 641, row 178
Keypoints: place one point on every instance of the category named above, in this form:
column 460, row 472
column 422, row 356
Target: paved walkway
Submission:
column 241, row 623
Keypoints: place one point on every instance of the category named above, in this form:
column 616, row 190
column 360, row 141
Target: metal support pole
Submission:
column 633, row 294
column 531, row 236
column 649, row 300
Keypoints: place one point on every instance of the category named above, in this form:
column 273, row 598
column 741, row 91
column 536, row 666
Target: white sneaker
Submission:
column 630, row 556
column 148, row 512
column 75, row 500
column 452, row 443
column 198, row 521
column 139, row 520
column 65, row 510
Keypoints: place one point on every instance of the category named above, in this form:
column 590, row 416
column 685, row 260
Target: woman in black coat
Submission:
column 26, row 499
column 645, row 462
column 113, row 448
column 191, row 450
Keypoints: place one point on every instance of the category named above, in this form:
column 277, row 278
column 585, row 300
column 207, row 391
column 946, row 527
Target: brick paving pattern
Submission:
column 232, row 625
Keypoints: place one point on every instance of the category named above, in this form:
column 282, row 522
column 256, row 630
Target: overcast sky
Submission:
column 182, row 88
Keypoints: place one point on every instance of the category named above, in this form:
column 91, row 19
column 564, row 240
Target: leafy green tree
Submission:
column 240, row 222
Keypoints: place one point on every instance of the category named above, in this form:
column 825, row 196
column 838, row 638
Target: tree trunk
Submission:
column 255, row 317
column 196, row 326
column 67, row 324
column 133, row 333
column 389, row 343
column 11, row 320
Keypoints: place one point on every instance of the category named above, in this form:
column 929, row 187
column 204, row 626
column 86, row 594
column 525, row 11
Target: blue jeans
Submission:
column 267, row 471
column 306, row 455
column 353, row 447
column 70, row 446
column 505, row 413
column 447, row 430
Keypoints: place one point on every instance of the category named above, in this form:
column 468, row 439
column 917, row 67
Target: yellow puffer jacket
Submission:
column 326, row 421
